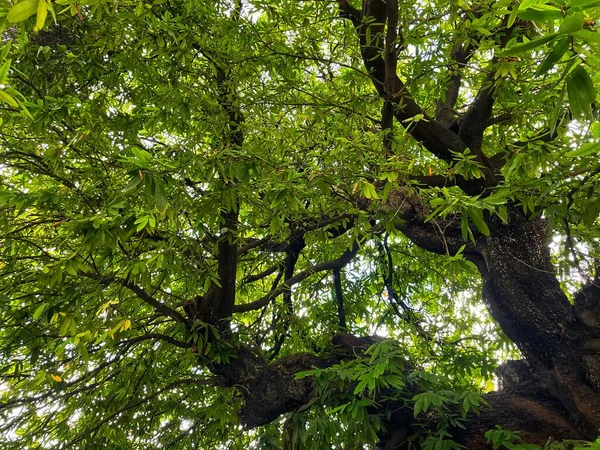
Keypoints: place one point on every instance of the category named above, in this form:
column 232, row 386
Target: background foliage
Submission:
column 120, row 143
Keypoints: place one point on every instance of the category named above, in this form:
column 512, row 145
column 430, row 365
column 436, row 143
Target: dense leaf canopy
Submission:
column 186, row 183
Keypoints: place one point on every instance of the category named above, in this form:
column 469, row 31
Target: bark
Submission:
column 524, row 296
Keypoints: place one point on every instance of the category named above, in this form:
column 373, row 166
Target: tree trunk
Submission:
column 523, row 295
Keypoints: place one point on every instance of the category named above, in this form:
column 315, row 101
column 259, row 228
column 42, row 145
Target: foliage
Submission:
column 131, row 133
column 500, row 438
column 347, row 393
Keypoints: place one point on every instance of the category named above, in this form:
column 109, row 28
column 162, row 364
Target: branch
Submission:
column 477, row 118
column 441, row 236
column 260, row 276
column 435, row 180
column 159, row 336
column 339, row 296
column 391, row 62
column 436, row 138
column 500, row 118
column 499, row 159
column 329, row 265
column 219, row 299
column 141, row 294
column 296, row 246
column 273, row 246
column 460, row 54
column 407, row 314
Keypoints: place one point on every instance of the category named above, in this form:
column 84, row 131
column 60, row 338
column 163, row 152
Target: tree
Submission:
column 275, row 224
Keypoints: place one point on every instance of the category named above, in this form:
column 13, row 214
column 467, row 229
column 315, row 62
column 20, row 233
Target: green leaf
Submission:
column 5, row 51
column 526, row 4
column 4, row 69
column 369, row 190
column 575, row 101
column 584, row 4
column 590, row 148
column 512, row 17
column 65, row 327
column 595, row 130
column 6, row 98
column 476, row 216
column 540, row 15
column 521, row 48
column 571, row 23
column 42, row 13
column 502, row 213
column 160, row 197
column 554, row 56
column 584, row 84
column 39, row 311
column 22, row 11
column 133, row 183
column 587, row 35
column 360, row 387
column 497, row 198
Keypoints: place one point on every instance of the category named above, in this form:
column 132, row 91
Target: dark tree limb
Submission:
column 499, row 159
column 460, row 54
column 339, row 297
column 478, row 115
column 388, row 281
column 268, row 244
column 274, row 390
column 436, row 138
column 216, row 306
column 500, row 118
column 340, row 262
column 391, row 61
column 295, row 247
column 435, row 180
column 259, row 276
column 139, row 292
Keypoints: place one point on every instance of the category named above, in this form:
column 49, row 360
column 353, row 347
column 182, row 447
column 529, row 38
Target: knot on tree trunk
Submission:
column 513, row 373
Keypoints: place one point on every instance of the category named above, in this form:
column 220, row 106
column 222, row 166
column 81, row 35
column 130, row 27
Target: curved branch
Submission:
column 436, row 138
column 259, row 276
column 460, row 54
column 141, row 294
column 159, row 336
column 329, row 265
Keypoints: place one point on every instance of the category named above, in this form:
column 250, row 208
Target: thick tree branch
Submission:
column 216, row 306
column 435, row 180
column 436, row 138
column 346, row 221
column 477, row 118
column 391, row 61
column 499, row 159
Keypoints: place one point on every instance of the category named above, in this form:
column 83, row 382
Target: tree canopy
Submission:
column 299, row 224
